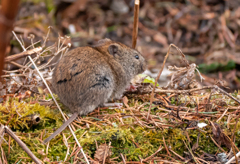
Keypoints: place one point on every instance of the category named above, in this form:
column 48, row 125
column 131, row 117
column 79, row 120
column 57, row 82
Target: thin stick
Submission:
column 16, row 64
column 160, row 72
column 166, row 147
column 106, row 151
column 222, row 115
column 59, row 130
column 218, row 145
column 45, row 40
column 22, row 145
column 44, row 81
column 190, row 151
column 23, row 54
column 177, row 154
column 156, row 80
column 238, row 154
column 227, row 94
column 233, row 158
column 2, row 131
column 233, row 146
column 124, row 161
column 135, row 23
column 151, row 156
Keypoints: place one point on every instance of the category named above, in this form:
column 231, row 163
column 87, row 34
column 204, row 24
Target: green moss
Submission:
column 126, row 137
column 214, row 67
column 17, row 115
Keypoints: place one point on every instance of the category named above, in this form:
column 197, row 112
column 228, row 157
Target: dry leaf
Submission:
column 183, row 77
column 219, row 136
column 125, row 101
column 102, row 152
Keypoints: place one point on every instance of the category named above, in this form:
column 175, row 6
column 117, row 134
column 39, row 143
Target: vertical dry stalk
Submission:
column 160, row 72
column 8, row 12
column 135, row 23
column 156, row 80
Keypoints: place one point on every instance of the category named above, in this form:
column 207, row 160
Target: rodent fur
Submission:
column 87, row 77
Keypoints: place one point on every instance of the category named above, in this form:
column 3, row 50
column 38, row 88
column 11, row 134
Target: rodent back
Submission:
column 80, row 74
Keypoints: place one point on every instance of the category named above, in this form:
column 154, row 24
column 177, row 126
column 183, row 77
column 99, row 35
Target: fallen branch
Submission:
column 151, row 156
column 23, row 54
column 21, row 144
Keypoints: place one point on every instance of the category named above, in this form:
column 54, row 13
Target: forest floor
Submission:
column 190, row 121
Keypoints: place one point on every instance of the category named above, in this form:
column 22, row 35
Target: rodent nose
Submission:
column 144, row 66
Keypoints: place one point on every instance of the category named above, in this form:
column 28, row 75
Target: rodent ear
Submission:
column 101, row 42
column 113, row 49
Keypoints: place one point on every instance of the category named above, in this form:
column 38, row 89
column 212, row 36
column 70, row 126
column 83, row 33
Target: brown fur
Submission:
column 87, row 77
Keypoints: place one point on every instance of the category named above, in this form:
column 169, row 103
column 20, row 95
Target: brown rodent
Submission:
column 87, row 77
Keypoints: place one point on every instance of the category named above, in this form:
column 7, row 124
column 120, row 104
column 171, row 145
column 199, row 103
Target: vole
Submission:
column 87, row 77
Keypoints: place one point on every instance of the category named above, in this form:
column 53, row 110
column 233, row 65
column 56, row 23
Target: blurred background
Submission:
column 207, row 31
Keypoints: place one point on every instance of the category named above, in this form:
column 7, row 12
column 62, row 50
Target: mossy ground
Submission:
column 127, row 129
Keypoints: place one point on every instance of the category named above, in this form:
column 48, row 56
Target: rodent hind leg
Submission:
column 98, row 97
column 97, row 94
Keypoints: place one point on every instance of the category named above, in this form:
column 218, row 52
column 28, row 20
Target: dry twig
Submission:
column 22, row 145
column 135, row 23
column 160, row 72
column 23, row 54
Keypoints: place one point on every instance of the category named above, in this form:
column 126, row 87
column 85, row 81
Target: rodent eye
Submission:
column 137, row 57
